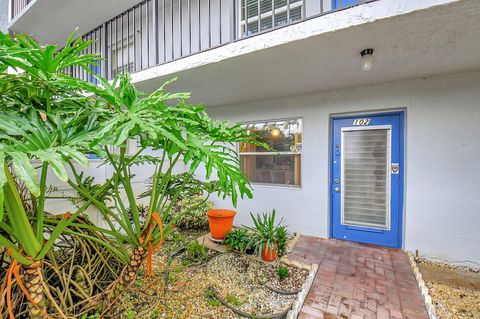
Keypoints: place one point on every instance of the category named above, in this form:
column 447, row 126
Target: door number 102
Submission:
column 360, row 122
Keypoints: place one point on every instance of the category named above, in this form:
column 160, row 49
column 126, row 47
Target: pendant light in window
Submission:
column 275, row 132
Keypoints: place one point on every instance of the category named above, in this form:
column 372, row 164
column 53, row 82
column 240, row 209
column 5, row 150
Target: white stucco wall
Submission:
column 101, row 173
column 442, row 193
column 4, row 6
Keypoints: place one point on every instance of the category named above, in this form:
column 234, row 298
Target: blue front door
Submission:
column 367, row 179
column 338, row 4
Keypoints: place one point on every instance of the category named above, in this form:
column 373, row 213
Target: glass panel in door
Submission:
column 366, row 183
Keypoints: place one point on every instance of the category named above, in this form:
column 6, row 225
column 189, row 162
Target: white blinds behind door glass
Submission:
column 365, row 177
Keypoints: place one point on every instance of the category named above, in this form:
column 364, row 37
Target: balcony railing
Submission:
column 155, row 32
column 17, row 6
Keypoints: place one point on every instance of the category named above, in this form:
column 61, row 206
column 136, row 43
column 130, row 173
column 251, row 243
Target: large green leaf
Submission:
column 72, row 153
column 44, row 117
column 26, row 172
column 56, row 163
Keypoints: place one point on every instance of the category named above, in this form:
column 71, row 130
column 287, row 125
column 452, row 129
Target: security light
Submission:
column 367, row 59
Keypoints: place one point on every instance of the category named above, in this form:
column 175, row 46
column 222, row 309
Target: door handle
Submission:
column 336, row 189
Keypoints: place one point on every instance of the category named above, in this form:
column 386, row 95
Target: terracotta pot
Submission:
column 220, row 222
column 269, row 254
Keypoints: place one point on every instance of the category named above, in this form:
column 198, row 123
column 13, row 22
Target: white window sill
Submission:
column 276, row 186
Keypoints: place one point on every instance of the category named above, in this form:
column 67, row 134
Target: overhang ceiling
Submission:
column 439, row 40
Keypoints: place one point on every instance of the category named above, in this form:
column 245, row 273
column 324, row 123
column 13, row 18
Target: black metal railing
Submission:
column 155, row 32
column 17, row 6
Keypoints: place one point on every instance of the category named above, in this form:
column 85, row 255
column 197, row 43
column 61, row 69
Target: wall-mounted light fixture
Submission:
column 367, row 59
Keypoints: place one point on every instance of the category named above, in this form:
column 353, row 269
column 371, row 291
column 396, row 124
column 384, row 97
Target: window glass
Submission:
column 281, row 164
column 281, row 136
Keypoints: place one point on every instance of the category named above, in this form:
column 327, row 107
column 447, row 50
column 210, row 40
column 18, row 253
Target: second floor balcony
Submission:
column 154, row 32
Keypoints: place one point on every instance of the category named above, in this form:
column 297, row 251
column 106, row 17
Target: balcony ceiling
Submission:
column 439, row 40
column 37, row 19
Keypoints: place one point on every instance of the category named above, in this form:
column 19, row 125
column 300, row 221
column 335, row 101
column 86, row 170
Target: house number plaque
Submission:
column 361, row 122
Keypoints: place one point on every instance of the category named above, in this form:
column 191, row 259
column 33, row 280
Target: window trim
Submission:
column 275, row 185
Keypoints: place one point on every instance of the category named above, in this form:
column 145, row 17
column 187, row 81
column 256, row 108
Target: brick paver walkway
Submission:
column 358, row 281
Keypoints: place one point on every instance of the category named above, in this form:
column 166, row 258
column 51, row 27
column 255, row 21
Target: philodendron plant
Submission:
column 45, row 123
column 180, row 133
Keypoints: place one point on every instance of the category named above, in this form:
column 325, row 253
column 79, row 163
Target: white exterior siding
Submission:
column 442, row 193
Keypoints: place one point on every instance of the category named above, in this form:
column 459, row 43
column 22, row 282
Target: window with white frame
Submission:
column 279, row 165
column 261, row 15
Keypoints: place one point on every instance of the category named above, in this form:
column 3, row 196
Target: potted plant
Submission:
column 220, row 222
column 266, row 235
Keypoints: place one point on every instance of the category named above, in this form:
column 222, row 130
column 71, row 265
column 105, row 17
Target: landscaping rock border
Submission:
column 300, row 300
column 427, row 299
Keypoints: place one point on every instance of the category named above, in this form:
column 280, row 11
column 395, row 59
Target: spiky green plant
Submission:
column 282, row 272
column 265, row 231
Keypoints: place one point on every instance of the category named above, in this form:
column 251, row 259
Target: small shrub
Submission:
column 196, row 251
column 175, row 236
column 191, row 212
column 214, row 303
column 131, row 314
column 237, row 240
column 232, row 299
column 282, row 272
column 154, row 314
column 172, row 277
column 211, row 299
column 209, row 294
column 186, row 262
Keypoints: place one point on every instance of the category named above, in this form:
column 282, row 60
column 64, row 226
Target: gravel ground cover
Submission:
column 452, row 302
column 237, row 279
